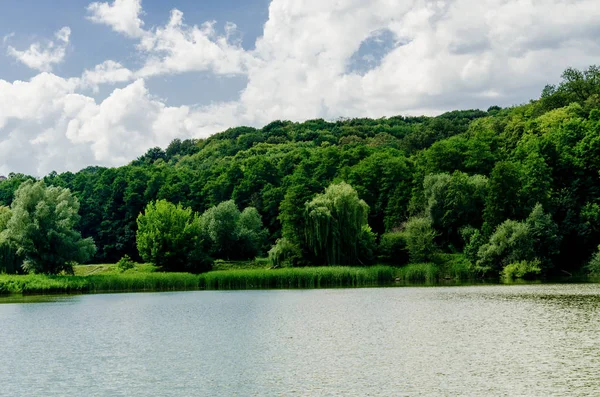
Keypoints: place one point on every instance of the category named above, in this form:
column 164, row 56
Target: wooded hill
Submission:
column 502, row 185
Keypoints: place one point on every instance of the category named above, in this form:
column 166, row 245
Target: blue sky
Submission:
column 98, row 83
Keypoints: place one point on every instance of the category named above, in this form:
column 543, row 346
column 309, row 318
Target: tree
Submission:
column 420, row 237
column 170, row 237
column 9, row 260
column 335, row 222
column 220, row 224
column 251, row 235
column 42, row 228
column 233, row 234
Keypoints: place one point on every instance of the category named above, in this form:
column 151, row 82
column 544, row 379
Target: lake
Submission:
column 517, row 340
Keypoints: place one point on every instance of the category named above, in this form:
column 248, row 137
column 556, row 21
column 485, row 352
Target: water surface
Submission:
column 525, row 340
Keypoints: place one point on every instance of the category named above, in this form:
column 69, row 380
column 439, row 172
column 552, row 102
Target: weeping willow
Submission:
column 334, row 224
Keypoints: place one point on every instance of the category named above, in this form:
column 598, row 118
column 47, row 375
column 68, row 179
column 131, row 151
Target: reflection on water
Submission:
column 517, row 340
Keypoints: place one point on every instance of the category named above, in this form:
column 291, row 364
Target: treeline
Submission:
column 515, row 187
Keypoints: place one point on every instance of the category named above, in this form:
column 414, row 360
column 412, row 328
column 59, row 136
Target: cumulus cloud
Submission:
column 177, row 48
column 41, row 56
column 437, row 56
column 108, row 72
column 46, row 125
column 122, row 16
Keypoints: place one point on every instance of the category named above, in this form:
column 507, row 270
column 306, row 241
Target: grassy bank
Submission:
column 234, row 275
column 106, row 279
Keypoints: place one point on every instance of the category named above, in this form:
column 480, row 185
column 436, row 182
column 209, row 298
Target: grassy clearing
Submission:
column 104, row 269
column 258, row 263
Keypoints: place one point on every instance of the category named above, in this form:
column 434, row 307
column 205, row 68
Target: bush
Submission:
column 522, row 269
column 393, row 248
column 125, row 263
column 593, row 266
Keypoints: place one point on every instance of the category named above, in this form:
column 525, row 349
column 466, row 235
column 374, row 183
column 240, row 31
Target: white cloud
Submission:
column 42, row 56
column 46, row 125
column 122, row 16
column 108, row 72
column 448, row 55
column 177, row 48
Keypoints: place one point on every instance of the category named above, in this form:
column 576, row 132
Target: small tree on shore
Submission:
column 170, row 237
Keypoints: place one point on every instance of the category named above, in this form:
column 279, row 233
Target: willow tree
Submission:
column 335, row 223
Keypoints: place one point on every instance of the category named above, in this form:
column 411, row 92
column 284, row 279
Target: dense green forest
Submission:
column 508, row 187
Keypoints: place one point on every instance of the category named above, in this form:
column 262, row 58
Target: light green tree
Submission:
column 420, row 239
column 170, row 237
column 233, row 234
column 42, row 228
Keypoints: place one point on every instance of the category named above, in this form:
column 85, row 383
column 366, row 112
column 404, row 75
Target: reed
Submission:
column 418, row 272
column 307, row 277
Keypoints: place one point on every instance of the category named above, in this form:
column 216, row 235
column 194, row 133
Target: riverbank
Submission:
column 102, row 280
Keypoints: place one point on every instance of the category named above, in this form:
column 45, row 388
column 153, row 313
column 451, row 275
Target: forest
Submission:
column 505, row 191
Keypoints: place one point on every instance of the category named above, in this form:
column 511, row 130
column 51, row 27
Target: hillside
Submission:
column 467, row 172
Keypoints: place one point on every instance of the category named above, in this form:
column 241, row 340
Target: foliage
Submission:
column 334, row 225
column 42, row 229
column 170, row 237
column 510, row 243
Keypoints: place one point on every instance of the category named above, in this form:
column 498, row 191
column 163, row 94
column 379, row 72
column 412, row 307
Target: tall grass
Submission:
column 418, row 272
column 310, row 277
column 313, row 277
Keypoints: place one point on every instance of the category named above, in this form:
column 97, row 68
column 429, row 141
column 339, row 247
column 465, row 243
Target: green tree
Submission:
column 220, row 223
column 42, row 228
column 170, row 237
column 420, row 239
column 335, row 223
column 251, row 234
column 233, row 234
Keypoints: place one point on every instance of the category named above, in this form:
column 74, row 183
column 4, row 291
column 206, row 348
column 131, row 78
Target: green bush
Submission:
column 420, row 238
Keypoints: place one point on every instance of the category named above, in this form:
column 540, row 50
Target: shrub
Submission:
column 593, row 266
column 125, row 263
